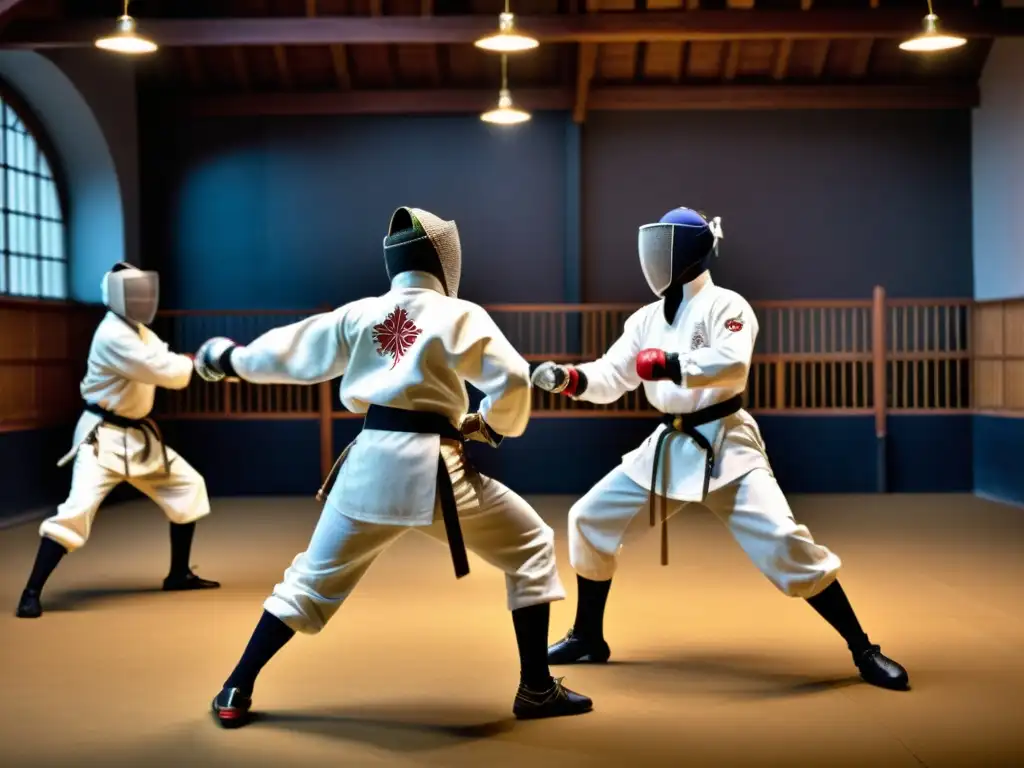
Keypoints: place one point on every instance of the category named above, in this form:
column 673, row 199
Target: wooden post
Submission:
column 879, row 355
column 326, row 424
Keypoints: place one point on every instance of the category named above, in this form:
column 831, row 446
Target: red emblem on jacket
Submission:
column 395, row 335
column 734, row 325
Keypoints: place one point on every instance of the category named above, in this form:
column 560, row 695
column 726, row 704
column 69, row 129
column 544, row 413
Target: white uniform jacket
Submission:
column 713, row 333
column 127, row 362
column 413, row 348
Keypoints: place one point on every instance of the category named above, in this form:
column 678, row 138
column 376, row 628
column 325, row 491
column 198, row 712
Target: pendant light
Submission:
column 507, row 39
column 505, row 113
column 931, row 40
column 125, row 39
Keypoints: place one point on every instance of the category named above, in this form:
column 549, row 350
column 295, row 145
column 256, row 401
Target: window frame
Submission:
column 24, row 112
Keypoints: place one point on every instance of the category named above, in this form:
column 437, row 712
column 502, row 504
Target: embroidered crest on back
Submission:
column 699, row 340
column 395, row 335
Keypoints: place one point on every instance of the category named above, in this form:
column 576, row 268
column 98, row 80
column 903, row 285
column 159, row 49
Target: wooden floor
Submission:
column 714, row 668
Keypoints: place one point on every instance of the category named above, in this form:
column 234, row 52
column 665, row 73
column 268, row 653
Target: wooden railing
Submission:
column 865, row 357
column 43, row 349
column 872, row 356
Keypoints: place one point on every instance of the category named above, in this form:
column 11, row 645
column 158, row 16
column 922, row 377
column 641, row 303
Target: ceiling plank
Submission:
column 586, row 66
column 607, row 98
column 781, row 66
column 621, row 27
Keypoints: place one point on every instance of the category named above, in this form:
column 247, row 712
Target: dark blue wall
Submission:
column 809, row 454
column 998, row 471
column 290, row 212
column 814, row 205
column 29, row 476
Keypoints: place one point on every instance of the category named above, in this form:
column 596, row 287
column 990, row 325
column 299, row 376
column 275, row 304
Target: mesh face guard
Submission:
column 678, row 248
column 419, row 240
column 132, row 293
column 655, row 242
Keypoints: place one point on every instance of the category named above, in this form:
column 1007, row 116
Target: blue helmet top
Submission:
column 684, row 217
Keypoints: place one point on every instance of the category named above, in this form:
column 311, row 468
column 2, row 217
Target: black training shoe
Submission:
column 231, row 708
column 556, row 701
column 574, row 649
column 29, row 606
column 188, row 582
column 878, row 669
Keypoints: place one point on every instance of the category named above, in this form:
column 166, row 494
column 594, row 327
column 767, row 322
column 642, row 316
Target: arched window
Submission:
column 33, row 254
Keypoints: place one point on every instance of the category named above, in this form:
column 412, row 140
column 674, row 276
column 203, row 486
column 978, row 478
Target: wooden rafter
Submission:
column 196, row 75
column 283, row 70
column 781, row 65
column 339, row 60
column 623, row 27
column 241, row 70
column 733, row 97
column 732, row 61
column 586, row 66
column 821, row 51
column 861, row 58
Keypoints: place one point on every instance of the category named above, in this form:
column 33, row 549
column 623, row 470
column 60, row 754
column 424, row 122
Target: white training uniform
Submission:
column 713, row 333
column 414, row 348
column 126, row 365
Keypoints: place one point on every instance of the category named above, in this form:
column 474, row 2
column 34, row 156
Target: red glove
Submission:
column 657, row 365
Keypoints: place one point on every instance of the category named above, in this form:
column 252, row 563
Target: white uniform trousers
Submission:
column 497, row 525
column 181, row 495
column 753, row 508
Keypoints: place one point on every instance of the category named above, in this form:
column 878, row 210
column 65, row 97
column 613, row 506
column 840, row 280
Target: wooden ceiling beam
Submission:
column 589, row 28
column 781, row 66
column 624, row 98
column 585, row 69
column 241, row 70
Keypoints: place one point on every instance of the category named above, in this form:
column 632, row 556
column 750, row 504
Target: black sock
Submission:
column 590, row 603
column 49, row 554
column 181, row 548
column 267, row 639
column 531, row 625
column 835, row 608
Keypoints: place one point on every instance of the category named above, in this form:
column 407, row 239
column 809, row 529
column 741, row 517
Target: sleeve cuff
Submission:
column 226, row 365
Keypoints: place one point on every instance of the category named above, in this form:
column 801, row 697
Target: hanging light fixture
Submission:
column 125, row 39
column 931, row 39
column 505, row 113
column 507, row 40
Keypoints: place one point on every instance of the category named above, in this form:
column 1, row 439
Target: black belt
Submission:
column 687, row 424
column 422, row 423
column 147, row 427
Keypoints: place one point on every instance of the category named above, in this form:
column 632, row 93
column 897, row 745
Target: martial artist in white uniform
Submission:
column 691, row 351
column 405, row 358
column 115, row 441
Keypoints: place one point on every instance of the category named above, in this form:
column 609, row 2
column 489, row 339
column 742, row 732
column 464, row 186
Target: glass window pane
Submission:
column 33, row 258
column 62, row 279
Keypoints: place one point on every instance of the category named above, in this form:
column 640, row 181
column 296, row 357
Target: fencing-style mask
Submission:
column 131, row 293
column 678, row 248
column 419, row 240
